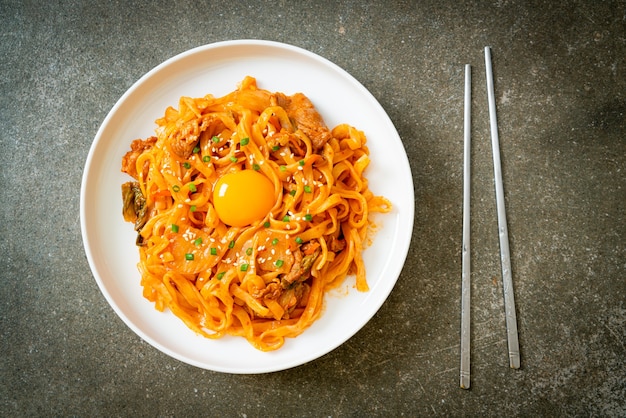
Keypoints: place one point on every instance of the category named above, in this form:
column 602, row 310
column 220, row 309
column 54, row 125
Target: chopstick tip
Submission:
column 465, row 382
column 514, row 360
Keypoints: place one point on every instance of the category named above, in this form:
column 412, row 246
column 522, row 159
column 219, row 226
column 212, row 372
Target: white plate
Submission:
column 216, row 69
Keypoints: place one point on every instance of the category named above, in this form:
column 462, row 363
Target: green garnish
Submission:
column 308, row 217
column 193, row 208
column 286, row 218
column 275, row 241
column 213, row 251
column 192, row 187
column 279, row 263
column 244, row 267
column 176, row 188
column 215, row 139
column 307, row 189
column 231, row 244
column 220, row 275
column 198, row 241
column 244, row 141
column 249, row 251
column 206, row 158
column 196, row 150
column 266, row 224
column 174, row 228
column 256, row 167
column 187, row 165
column 301, row 162
column 189, row 256
column 233, row 159
column 298, row 240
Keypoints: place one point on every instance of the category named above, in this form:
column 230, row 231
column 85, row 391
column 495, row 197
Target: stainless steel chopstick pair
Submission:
column 505, row 258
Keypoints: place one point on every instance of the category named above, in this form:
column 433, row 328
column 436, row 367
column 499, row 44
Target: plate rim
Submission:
column 89, row 251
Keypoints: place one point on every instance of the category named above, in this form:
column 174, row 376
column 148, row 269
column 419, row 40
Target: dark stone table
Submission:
column 560, row 87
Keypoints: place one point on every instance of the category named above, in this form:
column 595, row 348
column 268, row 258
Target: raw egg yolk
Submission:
column 242, row 197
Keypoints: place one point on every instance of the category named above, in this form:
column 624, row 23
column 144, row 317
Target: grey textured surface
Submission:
column 560, row 82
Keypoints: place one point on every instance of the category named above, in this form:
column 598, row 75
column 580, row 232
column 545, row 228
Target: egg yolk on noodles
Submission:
column 242, row 197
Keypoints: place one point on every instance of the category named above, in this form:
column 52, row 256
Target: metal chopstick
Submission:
column 505, row 258
column 465, row 276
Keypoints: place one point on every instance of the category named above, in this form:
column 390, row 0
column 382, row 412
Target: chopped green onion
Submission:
column 301, row 162
column 256, row 167
column 275, row 241
column 233, row 159
column 298, row 240
column 187, row 165
column 192, row 187
column 286, row 218
column 308, row 217
column 215, row 139
column 206, row 158
column 176, row 188
column 282, row 168
column 193, row 208
column 198, row 241
column 249, row 251
column 244, row 267
column 244, row 141
column 307, row 189
column 196, row 150
column 189, row 256
column 174, row 228
column 293, row 192
column 279, row 263
column 231, row 244
column 266, row 224
column 220, row 275
column 213, row 251
column 275, row 148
